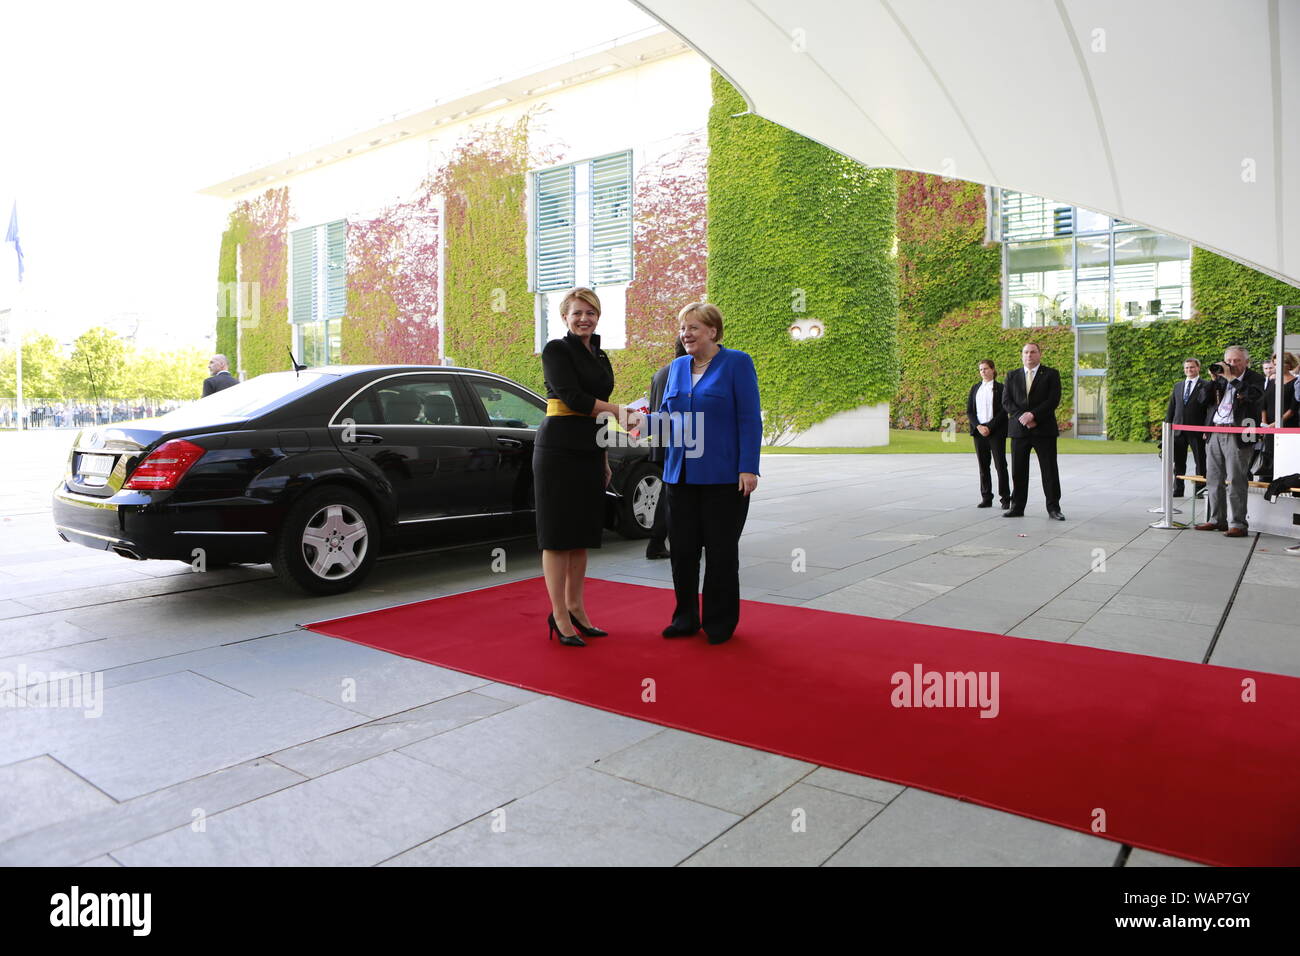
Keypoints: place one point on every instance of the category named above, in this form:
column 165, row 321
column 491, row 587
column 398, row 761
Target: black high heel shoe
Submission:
column 592, row 631
column 572, row 640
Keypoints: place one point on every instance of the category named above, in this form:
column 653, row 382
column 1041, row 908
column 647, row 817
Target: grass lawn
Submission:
column 910, row 442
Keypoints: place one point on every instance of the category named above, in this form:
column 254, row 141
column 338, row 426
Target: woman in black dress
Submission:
column 570, row 470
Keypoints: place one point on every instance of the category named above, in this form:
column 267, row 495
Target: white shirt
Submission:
column 695, row 378
column 984, row 403
column 1223, row 414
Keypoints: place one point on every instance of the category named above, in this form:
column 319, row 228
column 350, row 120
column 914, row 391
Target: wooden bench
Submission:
column 1201, row 480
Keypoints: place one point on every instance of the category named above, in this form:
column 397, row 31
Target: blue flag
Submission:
column 12, row 236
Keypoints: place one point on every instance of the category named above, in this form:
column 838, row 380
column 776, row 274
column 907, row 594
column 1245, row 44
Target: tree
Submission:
column 97, row 367
column 42, row 365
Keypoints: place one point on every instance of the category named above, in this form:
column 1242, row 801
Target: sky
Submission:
column 113, row 116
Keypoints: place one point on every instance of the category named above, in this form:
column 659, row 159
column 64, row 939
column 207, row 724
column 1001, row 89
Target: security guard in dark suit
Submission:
column 1187, row 406
column 220, row 377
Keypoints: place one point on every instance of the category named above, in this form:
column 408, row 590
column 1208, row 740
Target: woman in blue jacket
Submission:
column 711, row 421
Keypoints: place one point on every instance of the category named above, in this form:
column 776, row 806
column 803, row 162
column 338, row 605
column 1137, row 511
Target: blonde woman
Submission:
column 570, row 470
column 710, row 470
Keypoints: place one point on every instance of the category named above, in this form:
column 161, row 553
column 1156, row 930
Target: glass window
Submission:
column 1090, row 406
column 507, row 408
column 406, row 401
column 1040, row 282
column 1113, row 271
column 245, row 400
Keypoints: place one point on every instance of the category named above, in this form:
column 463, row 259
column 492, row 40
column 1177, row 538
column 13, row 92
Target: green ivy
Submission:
column 950, row 313
column 489, row 310
column 227, row 275
column 798, row 231
column 259, row 229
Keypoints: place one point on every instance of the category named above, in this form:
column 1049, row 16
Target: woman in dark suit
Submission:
column 988, row 427
column 570, row 470
column 711, row 418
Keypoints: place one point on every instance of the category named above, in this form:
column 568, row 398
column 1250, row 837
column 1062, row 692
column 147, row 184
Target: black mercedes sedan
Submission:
column 322, row 470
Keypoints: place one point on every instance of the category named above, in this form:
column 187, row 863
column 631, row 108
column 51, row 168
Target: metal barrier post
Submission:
column 1167, row 523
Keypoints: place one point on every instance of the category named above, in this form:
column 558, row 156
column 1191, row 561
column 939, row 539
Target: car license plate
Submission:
column 97, row 466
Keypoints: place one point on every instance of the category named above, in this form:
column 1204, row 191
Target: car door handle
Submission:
column 369, row 439
column 509, row 442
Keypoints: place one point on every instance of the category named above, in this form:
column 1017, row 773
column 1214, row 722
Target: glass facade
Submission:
column 1065, row 265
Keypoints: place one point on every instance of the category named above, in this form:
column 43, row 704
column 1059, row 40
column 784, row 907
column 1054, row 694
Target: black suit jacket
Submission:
column 999, row 422
column 1247, row 403
column 1191, row 412
column 1042, row 401
column 218, row 382
column 578, row 376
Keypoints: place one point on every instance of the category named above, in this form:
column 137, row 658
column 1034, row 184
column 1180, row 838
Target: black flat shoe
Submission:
column 571, row 640
column 1013, row 514
column 985, row 504
column 1056, row 516
column 658, row 553
column 1006, row 504
column 592, row 631
column 672, row 630
column 713, row 639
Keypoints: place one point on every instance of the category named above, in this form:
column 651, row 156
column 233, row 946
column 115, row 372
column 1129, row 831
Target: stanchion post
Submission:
column 1167, row 523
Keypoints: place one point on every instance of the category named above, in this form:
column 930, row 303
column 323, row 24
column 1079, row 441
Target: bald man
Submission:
column 219, row 376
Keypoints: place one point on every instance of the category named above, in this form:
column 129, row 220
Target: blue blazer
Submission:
column 726, row 402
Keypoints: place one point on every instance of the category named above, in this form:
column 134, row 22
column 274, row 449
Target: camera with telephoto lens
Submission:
column 1216, row 368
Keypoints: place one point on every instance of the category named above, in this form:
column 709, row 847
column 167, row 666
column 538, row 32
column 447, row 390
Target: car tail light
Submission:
column 165, row 465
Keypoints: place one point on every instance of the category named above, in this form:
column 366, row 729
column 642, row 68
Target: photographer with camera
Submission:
column 1236, row 397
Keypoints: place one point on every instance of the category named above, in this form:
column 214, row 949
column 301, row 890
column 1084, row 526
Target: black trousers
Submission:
column 708, row 518
column 1044, row 446
column 995, row 448
column 1183, row 440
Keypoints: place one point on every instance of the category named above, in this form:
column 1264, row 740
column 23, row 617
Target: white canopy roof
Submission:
column 1182, row 115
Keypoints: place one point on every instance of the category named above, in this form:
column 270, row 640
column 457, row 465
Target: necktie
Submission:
column 1029, row 380
column 1187, row 392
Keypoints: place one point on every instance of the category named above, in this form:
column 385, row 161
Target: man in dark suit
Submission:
column 1236, row 399
column 656, row 547
column 1030, row 397
column 219, row 376
column 988, row 426
column 1187, row 406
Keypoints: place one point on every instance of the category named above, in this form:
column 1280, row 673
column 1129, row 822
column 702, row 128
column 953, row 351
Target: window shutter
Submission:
column 611, row 219
column 554, row 215
column 336, row 297
column 302, row 262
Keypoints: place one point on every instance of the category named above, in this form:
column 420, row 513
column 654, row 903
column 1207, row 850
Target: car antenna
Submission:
column 294, row 362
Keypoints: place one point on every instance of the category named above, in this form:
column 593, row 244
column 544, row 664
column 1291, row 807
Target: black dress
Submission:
column 568, row 464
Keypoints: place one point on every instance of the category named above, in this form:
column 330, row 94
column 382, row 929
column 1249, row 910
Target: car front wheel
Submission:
column 328, row 543
column 637, row 507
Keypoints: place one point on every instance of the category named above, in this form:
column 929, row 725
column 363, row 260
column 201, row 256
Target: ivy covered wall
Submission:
column 259, row 228
column 950, row 306
column 797, row 231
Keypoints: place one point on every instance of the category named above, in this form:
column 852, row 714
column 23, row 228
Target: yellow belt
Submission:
column 556, row 406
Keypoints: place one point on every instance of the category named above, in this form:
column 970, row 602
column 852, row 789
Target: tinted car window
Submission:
column 407, row 401
column 507, row 408
column 245, row 400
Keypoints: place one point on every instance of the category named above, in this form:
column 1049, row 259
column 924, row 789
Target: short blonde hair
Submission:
column 708, row 314
column 583, row 295
column 1289, row 362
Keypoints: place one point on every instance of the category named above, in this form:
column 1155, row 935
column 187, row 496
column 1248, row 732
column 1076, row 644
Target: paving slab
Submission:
column 89, row 834
column 721, row 774
column 357, row 816
column 39, row 792
column 583, row 819
column 527, row 747
column 925, row 829
column 802, row 826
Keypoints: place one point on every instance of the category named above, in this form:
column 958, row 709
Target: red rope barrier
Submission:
column 1257, row 430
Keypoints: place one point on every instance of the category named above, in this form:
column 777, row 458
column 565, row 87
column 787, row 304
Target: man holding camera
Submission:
column 1236, row 396
column 1187, row 406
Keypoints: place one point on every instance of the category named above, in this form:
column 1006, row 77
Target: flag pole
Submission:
column 18, row 360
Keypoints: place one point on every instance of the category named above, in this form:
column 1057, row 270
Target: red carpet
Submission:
column 1167, row 750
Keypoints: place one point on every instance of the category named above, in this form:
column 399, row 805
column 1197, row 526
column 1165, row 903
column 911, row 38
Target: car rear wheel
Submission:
column 637, row 507
column 328, row 543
